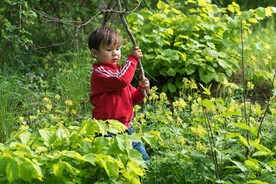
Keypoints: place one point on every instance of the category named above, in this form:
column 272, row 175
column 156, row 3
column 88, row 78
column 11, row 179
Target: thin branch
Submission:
column 243, row 76
column 134, row 43
column 80, row 24
column 267, row 107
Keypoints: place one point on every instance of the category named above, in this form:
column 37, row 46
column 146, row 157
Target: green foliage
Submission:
column 72, row 154
column 46, row 132
column 11, row 104
column 15, row 33
column 207, row 140
column 201, row 42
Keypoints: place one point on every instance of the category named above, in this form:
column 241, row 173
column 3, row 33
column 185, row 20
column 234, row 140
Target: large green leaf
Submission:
column 208, row 104
column 171, row 87
column 27, row 170
column 245, row 127
column 171, row 72
column 60, row 166
column 49, row 137
column 24, row 137
column 240, row 165
column 11, row 171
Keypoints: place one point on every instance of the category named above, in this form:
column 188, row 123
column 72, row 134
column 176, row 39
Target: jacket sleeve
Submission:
column 114, row 79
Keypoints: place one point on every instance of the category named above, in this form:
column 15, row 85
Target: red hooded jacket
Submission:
column 113, row 96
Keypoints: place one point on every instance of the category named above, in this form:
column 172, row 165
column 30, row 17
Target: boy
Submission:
column 112, row 95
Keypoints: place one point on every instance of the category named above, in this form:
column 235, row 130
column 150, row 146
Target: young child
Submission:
column 113, row 96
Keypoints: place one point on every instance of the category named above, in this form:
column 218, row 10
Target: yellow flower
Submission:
column 57, row 97
column 179, row 120
column 200, row 131
column 74, row 111
column 46, row 99
column 180, row 103
column 198, row 146
column 250, row 85
column 163, row 97
column 49, row 106
column 32, row 117
column 21, row 118
column 137, row 108
column 225, row 83
column 24, row 127
column 69, row 102
column 193, row 84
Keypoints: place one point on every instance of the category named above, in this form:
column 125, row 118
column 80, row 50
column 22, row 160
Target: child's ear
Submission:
column 94, row 53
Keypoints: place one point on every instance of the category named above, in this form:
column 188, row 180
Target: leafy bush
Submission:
column 207, row 140
column 201, row 42
column 73, row 154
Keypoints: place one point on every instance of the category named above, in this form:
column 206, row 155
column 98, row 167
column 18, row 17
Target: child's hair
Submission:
column 105, row 36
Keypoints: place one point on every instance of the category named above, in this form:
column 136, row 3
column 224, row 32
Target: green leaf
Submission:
column 239, row 165
column 190, row 69
column 205, row 75
column 171, row 55
column 12, row 171
column 153, row 138
column 110, row 165
column 27, row 170
column 206, row 91
column 244, row 141
column 115, row 126
column 90, row 157
column 24, row 137
column 59, row 168
column 61, row 133
column 48, row 136
column 223, row 63
column 271, row 163
column 229, row 113
column 263, row 151
column 245, row 127
column 246, row 15
column 213, row 53
column 171, row 87
column 256, row 182
column 233, row 23
column 208, row 104
column 72, row 154
column 171, row 72
column 230, row 135
column 260, row 12
column 92, row 126
column 135, row 168
column 253, row 163
column 259, row 110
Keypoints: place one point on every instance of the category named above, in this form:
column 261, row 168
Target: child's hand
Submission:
column 145, row 84
column 136, row 51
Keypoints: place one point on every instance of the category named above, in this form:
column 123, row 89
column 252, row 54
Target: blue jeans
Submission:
column 136, row 145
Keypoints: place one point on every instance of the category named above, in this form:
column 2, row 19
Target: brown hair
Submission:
column 103, row 35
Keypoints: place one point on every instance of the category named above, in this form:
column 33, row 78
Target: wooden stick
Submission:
column 134, row 43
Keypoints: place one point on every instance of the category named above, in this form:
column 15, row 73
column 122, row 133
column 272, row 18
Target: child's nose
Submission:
column 114, row 52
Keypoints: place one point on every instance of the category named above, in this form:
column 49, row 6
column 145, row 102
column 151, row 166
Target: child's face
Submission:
column 108, row 54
